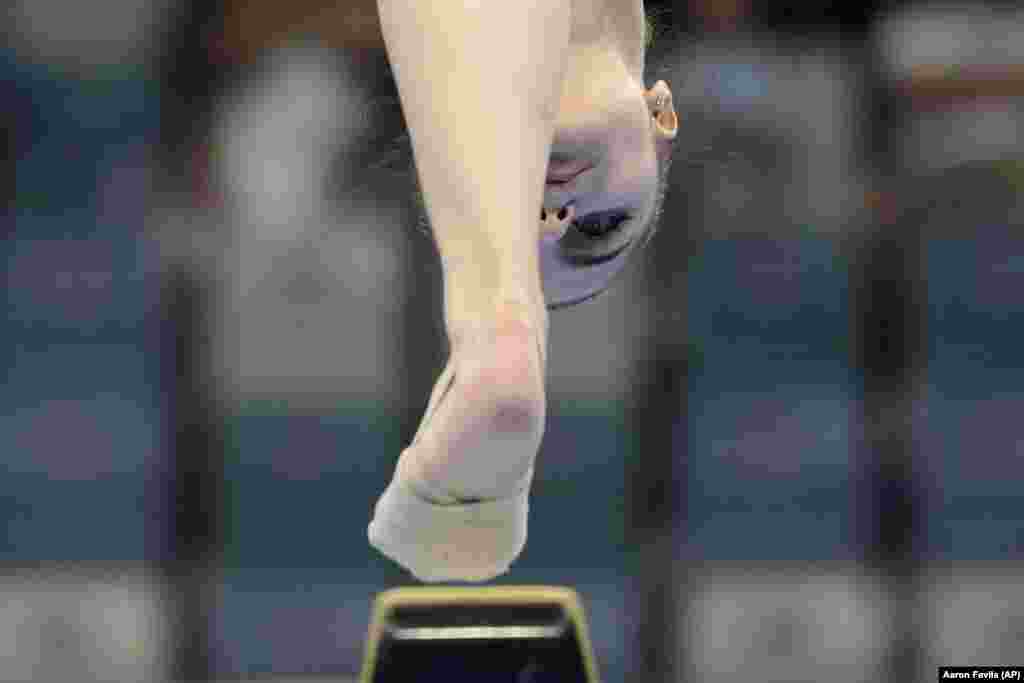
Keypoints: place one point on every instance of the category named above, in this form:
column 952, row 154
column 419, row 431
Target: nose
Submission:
column 555, row 223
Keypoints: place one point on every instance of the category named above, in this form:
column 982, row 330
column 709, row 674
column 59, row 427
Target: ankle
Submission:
column 508, row 316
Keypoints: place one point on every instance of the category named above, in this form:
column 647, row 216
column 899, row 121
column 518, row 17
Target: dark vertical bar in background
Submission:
column 9, row 146
column 888, row 304
column 888, row 309
column 655, row 495
column 655, row 483
column 189, row 83
column 197, row 480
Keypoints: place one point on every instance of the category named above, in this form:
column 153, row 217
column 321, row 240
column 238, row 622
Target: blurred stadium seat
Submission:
column 771, row 438
column 783, row 624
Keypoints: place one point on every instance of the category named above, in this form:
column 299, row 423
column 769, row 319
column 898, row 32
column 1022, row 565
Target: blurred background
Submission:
column 787, row 446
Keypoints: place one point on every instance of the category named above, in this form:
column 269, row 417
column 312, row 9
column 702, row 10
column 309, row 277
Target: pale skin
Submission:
column 524, row 117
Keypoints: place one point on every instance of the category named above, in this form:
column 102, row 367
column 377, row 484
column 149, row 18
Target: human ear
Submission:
column 659, row 104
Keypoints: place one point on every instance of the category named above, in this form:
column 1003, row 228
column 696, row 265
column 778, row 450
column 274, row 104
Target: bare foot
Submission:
column 482, row 430
column 476, row 445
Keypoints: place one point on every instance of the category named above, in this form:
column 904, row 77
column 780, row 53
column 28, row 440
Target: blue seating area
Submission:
column 968, row 431
column 768, row 446
column 83, row 417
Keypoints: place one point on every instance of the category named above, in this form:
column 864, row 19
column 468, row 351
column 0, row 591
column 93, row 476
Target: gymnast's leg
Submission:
column 479, row 85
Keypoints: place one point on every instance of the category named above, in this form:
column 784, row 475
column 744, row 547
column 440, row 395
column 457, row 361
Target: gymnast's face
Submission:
column 606, row 173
